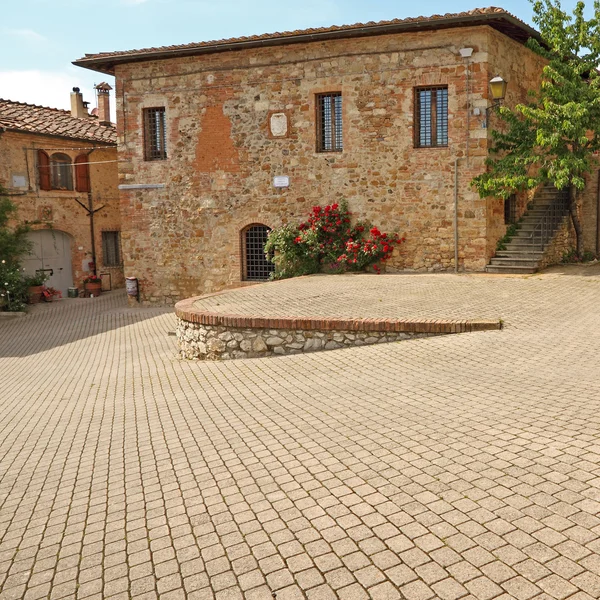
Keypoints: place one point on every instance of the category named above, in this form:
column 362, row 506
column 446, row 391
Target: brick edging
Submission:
column 185, row 310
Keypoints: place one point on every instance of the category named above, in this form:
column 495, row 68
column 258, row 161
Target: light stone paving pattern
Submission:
column 463, row 466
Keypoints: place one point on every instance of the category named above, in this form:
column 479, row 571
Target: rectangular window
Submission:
column 431, row 117
column 155, row 136
column 510, row 210
column 111, row 248
column 329, row 122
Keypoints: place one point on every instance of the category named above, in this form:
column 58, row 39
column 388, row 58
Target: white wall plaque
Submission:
column 19, row 181
column 281, row 181
column 278, row 124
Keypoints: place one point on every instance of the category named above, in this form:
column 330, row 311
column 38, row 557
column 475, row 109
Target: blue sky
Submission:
column 40, row 38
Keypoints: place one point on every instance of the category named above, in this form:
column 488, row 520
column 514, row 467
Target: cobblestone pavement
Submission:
column 464, row 466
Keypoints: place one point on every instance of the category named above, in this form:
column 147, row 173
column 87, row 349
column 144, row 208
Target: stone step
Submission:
column 514, row 262
column 525, row 248
column 509, row 253
column 505, row 269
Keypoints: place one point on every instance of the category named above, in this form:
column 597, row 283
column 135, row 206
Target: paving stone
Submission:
column 373, row 471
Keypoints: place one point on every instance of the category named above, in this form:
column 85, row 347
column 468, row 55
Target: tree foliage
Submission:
column 13, row 239
column 553, row 137
column 13, row 245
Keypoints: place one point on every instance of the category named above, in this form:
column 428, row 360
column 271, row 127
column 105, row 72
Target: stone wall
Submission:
column 563, row 241
column 59, row 210
column 590, row 202
column 185, row 239
column 206, row 342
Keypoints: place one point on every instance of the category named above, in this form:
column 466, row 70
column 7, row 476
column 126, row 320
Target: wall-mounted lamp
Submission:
column 466, row 52
column 497, row 90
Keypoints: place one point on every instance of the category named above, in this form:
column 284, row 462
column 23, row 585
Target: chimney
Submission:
column 103, row 90
column 77, row 107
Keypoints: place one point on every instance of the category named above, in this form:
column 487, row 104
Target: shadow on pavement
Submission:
column 48, row 326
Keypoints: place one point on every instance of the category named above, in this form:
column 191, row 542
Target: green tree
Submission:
column 13, row 239
column 552, row 138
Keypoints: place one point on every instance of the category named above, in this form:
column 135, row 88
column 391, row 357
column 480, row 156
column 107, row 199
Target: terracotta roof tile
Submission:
column 31, row 118
column 497, row 17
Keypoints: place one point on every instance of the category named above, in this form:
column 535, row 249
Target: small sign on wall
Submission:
column 281, row 181
column 19, row 181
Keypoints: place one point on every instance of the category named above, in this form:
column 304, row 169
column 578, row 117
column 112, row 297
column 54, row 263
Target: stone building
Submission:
column 57, row 166
column 220, row 141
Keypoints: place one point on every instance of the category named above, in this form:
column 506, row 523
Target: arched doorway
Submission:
column 51, row 253
column 255, row 266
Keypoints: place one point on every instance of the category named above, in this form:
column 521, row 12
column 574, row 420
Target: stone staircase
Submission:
column 526, row 249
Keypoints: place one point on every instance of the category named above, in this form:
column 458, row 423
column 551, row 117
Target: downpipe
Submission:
column 456, row 214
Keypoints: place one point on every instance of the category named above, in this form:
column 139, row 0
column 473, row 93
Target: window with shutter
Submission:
column 44, row 171
column 61, row 172
column 82, row 173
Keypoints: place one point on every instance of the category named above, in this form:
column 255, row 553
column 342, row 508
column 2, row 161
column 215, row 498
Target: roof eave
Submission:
column 107, row 65
column 58, row 135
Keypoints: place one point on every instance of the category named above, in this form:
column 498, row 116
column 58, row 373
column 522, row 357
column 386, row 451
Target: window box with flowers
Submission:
column 92, row 286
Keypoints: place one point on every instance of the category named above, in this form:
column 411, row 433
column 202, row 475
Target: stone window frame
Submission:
column 244, row 275
column 433, row 116
column 154, row 121
column 329, row 116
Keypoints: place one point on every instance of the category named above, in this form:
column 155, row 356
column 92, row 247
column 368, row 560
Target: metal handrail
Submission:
column 555, row 212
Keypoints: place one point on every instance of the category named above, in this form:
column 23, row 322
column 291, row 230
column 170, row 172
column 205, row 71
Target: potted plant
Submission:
column 49, row 293
column 92, row 285
column 35, row 284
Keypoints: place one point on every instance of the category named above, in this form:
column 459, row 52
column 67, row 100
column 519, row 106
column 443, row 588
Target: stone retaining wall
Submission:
column 208, row 342
column 207, row 335
column 562, row 242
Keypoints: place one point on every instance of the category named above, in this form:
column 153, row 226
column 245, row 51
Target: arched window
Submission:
column 255, row 266
column 61, row 172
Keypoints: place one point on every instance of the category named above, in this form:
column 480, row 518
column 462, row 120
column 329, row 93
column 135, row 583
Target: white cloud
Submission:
column 27, row 34
column 50, row 88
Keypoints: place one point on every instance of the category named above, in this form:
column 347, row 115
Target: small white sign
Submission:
column 281, row 181
column 19, row 181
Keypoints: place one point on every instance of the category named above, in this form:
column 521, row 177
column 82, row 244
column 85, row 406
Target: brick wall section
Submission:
column 589, row 213
column 184, row 240
column 57, row 209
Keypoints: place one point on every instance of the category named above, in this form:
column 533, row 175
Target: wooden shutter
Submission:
column 82, row 173
column 44, row 170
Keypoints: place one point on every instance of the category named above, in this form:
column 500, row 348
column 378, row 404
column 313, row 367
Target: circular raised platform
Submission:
column 325, row 312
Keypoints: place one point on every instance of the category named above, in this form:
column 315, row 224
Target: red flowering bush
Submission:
column 328, row 242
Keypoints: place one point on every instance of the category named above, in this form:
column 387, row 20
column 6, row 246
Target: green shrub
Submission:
column 328, row 242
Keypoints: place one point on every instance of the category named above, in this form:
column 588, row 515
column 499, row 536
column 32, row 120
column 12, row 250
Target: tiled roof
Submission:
column 495, row 17
column 31, row 118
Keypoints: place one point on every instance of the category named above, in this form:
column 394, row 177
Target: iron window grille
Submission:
column 329, row 122
column 61, row 172
column 256, row 265
column 431, row 117
column 111, row 248
column 155, row 137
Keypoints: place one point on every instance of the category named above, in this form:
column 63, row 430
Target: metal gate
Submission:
column 51, row 253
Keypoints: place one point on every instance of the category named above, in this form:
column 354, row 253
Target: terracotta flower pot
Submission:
column 35, row 294
column 93, row 289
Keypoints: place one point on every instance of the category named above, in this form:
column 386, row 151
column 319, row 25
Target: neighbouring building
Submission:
column 221, row 141
column 60, row 169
